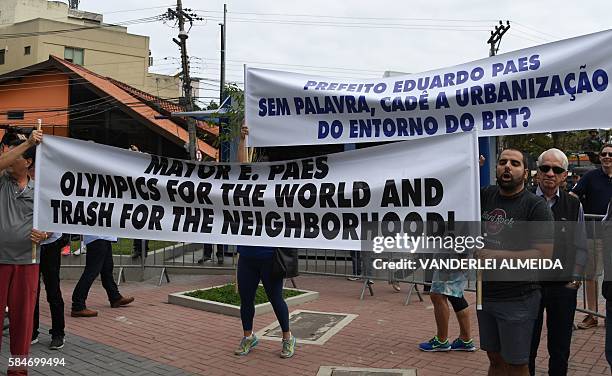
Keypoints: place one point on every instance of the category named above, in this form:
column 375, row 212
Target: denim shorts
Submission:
column 447, row 283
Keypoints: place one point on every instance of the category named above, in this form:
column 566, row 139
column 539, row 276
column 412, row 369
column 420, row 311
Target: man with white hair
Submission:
column 559, row 288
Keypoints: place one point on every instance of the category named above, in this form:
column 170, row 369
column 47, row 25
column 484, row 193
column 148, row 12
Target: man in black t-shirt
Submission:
column 510, row 307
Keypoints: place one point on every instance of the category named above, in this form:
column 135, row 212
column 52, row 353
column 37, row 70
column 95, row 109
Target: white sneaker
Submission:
column 81, row 251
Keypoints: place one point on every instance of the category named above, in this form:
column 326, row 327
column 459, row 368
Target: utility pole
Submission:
column 496, row 36
column 187, row 91
column 223, row 34
column 225, row 146
column 487, row 145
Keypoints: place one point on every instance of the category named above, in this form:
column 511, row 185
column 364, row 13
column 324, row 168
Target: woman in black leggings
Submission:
column 254, row 265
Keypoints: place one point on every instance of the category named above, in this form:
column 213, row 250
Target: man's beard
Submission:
column 509, row 185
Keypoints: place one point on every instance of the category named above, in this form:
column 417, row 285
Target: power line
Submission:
column 532, row 36
column 104, row 13
column 77, row 108
column 71, row 30
column 524, row 37
column 474, row 28
column 351, row 17
column 137, row 9
column 536, row 30
column 454, row 23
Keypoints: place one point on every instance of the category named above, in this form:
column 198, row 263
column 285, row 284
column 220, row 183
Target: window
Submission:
column 2, row 53
column 74, row 55
column 14, row 115
column 27, row 50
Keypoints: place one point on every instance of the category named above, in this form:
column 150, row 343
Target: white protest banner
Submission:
column 318, row 202
column 549, row 88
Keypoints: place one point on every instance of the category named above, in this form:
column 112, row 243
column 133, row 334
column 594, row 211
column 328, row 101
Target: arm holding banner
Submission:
column 11, row 156
column 242, row 151
column 242, row 158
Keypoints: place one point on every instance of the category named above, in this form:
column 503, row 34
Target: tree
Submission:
column 536, row 143
column 235, row 115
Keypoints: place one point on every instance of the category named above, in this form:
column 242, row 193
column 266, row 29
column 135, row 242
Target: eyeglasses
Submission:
column 556, row 170
column 605, row 154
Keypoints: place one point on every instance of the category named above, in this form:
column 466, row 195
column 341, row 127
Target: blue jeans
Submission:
column 609, row 331
column 250, row 271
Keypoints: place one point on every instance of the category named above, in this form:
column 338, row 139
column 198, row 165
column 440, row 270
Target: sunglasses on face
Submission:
column 556, row 170
column 605, row 154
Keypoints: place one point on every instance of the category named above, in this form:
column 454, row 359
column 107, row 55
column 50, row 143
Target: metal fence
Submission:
column 189, row 258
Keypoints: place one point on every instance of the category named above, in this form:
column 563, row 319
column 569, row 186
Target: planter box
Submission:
column 179, row 298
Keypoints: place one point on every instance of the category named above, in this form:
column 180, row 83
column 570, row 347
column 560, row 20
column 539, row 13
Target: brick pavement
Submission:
column 384, row 335
column 87, row 357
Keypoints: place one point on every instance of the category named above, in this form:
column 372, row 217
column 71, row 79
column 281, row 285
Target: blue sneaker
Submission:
column 435, row 344
column 246, row 344
column 461, row 345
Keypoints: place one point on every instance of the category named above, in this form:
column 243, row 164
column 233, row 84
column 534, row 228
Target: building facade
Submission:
column 36, row 29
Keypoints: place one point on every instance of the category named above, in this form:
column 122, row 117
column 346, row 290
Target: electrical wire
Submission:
column 348, row 17
column 71, row 30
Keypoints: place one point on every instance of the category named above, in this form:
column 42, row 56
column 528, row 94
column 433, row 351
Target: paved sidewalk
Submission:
column 151, row 335
column 82, row 356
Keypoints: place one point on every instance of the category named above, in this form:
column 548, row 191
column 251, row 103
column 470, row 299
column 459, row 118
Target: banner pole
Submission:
column 479, row 290
column 249, row 156
column 34, row 246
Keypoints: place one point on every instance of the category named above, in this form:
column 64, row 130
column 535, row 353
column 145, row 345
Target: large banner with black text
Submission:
column 319, row 202
column 554, row 87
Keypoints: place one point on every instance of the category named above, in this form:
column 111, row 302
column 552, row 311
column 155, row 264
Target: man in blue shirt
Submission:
column 595, row 191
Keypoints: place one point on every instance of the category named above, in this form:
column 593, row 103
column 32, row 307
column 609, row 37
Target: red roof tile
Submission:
column 153, row 106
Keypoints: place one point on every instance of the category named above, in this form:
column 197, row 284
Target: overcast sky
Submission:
column 356, row 38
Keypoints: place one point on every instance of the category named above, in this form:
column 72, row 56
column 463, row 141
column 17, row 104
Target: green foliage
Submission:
column 227, row 294
column 535, row 144
column 230, row 121
column 235, row 115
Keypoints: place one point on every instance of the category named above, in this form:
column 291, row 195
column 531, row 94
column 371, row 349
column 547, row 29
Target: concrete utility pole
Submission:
column 225, row 146
column 187, row 91
column 496, row 36
column 487, row 145
column 223, row 34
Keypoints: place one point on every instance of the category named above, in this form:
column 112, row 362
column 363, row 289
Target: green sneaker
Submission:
column 246, row 344
column 288, row 348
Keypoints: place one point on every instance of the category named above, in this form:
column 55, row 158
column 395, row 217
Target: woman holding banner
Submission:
column 255, row 264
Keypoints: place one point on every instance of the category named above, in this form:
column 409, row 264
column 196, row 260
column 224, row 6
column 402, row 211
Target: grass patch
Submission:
column 226, row 294
column 125, row 246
